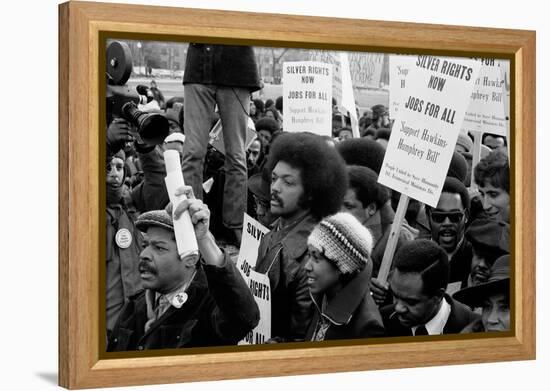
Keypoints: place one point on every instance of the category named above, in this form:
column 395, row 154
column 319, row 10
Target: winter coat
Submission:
column 459, row 318
column 123, row 280
column 220, row 310
column 223, row 65
column 352, row 313
column 282, row 256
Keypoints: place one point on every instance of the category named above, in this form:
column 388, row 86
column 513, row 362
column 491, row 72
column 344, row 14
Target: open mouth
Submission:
column 447, row 236
column 146, row 272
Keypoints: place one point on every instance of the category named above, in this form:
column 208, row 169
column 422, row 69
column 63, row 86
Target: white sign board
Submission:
column 348, row 97
column 486, row 112
column 423, row 137
column 333, row 58
column 259, row 285
column 307, row 97
column 261, row 290
column 400, row 67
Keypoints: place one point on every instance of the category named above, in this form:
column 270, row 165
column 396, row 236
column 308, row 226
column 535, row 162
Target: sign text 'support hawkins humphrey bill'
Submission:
column 432, row 106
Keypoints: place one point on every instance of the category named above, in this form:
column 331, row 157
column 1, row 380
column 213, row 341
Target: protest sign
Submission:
column 431, row 111
column 332, row 58
column 307, row 97
column 399, row 68
column 216, row 135
column 261, row 290
column 348, row 97
column 259, row 285
column 486, row 112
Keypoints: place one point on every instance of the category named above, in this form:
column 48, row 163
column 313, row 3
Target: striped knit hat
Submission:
column 344, row 241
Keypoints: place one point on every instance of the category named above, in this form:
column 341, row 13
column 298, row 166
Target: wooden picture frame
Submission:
column 81, row 25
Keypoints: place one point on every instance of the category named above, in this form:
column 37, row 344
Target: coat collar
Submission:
column 379, row 221
column 196, row 291
column 342, row 307
column 295, row 241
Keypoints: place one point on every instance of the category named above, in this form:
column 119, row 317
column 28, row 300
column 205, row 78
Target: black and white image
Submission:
column 259, row 195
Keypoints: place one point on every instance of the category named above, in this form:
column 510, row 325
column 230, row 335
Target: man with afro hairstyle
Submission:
column 308, row 182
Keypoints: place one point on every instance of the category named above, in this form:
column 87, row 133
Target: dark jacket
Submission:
column 122, row 275
column 459, row 318
column 220, row 310
column 223, row 65
column 460, row 263
column 380, row 227
column 281, row 256
column 352, row 313
column 151, row 193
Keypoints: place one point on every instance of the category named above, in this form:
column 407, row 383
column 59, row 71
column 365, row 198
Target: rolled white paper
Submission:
column 183, row 227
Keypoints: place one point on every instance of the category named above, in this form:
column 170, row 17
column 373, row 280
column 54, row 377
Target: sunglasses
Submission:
column 454, row 217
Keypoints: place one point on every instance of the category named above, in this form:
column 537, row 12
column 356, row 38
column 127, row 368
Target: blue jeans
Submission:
column 233, row 104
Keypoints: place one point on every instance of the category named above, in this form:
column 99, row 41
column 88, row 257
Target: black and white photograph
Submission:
column 270, row 195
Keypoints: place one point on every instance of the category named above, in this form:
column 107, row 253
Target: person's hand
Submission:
column 379, row 291
column 118, row 133
column 198, row 211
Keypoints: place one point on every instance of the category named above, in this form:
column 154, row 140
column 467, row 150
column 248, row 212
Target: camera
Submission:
column 123, row 102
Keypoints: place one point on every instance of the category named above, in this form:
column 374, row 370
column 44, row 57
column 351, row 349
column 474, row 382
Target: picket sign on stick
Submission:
column 476, row 157
column 392, row 240
column 506, row 92
column 348, row 97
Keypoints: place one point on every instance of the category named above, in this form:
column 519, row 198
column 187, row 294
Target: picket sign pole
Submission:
column 476, row 157
column 505, row 92
column 392, row 240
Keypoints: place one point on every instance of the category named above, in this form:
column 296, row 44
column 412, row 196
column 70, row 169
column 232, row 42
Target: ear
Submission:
column 466, row 216
column 190, row 261
column 371, row 209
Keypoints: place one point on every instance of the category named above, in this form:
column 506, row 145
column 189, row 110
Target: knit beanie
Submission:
column 344, row 241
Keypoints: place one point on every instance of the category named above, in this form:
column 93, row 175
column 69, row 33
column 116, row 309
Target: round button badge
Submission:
column 123, row 238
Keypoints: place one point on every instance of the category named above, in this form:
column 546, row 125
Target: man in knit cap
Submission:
column 187, row 302
column 339, row 270
column 420, row 305
column 308, row 182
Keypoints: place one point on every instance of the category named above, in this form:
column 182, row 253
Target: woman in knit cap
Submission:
column 339, row 270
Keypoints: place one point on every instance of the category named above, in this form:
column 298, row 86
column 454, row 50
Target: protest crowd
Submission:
column 320, row 219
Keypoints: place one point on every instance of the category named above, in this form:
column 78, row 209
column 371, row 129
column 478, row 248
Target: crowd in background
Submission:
column 329, row 221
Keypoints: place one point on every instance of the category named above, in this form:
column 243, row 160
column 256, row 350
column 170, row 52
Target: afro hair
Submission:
column 323, row 171
column 362, row 152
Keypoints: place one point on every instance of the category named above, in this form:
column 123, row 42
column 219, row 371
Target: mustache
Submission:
column 145, row 267
column 448, row 231
column 276, row 198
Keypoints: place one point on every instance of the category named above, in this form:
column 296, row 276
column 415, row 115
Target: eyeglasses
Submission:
column 454, row 217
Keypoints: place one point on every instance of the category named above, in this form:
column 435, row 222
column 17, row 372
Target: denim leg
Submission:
column 233, row 104
column 199, row 103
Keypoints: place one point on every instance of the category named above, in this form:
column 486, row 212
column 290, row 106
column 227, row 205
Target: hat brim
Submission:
column 474, row 296
column 259, row 187
column 144, row 224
